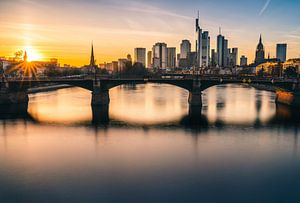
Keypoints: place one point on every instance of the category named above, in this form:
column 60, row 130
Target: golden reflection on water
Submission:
column 155, row 104
column 234, row 104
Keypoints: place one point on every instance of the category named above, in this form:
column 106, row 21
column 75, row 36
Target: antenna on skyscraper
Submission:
column 220, row 31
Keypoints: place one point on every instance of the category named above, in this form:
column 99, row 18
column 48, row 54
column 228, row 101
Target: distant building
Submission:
column 281, row 52
column 202, row 45
column 140, row 56
column 205, row 49
column 271, row 67
column 185, row 48
column 171, row 57
column 222, row 50
column 243, row 61
column 122, row 64
column 112, row 67
column 292, row 63
column 192, row 58
column 214, row 57
column 233, row 57
column 149, row 59
column 260, row 52
column 160, row 55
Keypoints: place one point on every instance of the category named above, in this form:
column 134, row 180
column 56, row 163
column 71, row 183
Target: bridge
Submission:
column 15, row 91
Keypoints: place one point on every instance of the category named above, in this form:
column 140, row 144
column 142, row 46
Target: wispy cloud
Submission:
column 265, row 7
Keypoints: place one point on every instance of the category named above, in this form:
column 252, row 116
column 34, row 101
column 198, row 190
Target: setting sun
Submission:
column 33, row 54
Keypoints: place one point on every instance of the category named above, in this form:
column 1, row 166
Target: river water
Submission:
column 149, row 146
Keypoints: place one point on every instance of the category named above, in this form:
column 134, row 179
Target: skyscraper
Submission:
column 281, row 52
column 260, row 52
column 198, row 42
column 140, row 56
column 171, row 57
column 220, row 49
column 233, row 57
column 205, row 49
column 149, row 59
column 214, row 57
column 202, row 45
column 243, row 61
column 185, row 48
column 160, row 55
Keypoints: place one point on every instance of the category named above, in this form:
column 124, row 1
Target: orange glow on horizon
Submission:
column 33, row 54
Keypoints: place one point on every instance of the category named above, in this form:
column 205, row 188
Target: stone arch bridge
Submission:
column 15, row 91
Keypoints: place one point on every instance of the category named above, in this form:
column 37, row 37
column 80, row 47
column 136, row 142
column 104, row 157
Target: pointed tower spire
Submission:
column 260, row 39
column 220, row 31
column 92, row 60
column 25, row 56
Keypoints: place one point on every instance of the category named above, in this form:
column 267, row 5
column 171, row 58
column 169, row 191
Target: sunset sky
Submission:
column 64, row 29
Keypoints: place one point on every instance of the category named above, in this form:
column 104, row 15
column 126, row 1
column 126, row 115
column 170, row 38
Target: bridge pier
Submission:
column 7, row 97
column 288, row 98
column 100, row 115
column 195, row 98
column 100, row 98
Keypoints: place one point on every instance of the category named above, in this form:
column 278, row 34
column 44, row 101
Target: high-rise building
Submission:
column 260, row 52
column 140, row 56
column 185, row 48
column 281, row 52
column 233, row 57
column 149, row 59
column 192, row 57
column 202, row 45
column 225, row 53
column 214, row 57
column 220, row 50
column 122, row 64
column 198, row 42
column 160, row 55
column 243, row 61
column 171, row 57
column 205, row 49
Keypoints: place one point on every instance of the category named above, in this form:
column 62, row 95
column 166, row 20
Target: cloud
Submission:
column 265, row 7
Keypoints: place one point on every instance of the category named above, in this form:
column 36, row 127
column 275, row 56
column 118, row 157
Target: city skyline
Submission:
column 63, row 34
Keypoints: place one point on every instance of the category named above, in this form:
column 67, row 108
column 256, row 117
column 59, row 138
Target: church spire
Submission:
column 92, row 60
column 25, row 56
column 260, row 39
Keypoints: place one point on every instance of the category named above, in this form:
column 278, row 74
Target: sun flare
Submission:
column 33, row 54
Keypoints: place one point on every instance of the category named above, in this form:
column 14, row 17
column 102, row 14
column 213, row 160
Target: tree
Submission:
column 18, row 55
column 136, row 70
column 291, row 71
column 261, row 72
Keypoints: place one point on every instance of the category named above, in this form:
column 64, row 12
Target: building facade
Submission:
column 160, row 55
column 281, row 52
column 233, row 57
column 243, row 61
column 149, row 59
column 185, row 48
column 260, row 52
column 171, row 57
column 140, row 56
column 205, row 49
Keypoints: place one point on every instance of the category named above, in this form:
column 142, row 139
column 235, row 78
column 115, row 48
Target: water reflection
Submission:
column 157, row 105
column 238, row 145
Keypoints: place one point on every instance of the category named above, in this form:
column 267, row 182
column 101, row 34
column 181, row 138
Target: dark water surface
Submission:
column 149, row 146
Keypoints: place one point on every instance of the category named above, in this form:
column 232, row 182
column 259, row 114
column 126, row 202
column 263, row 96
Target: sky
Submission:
column 64, row 29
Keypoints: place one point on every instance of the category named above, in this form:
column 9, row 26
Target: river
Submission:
column 149, row 146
